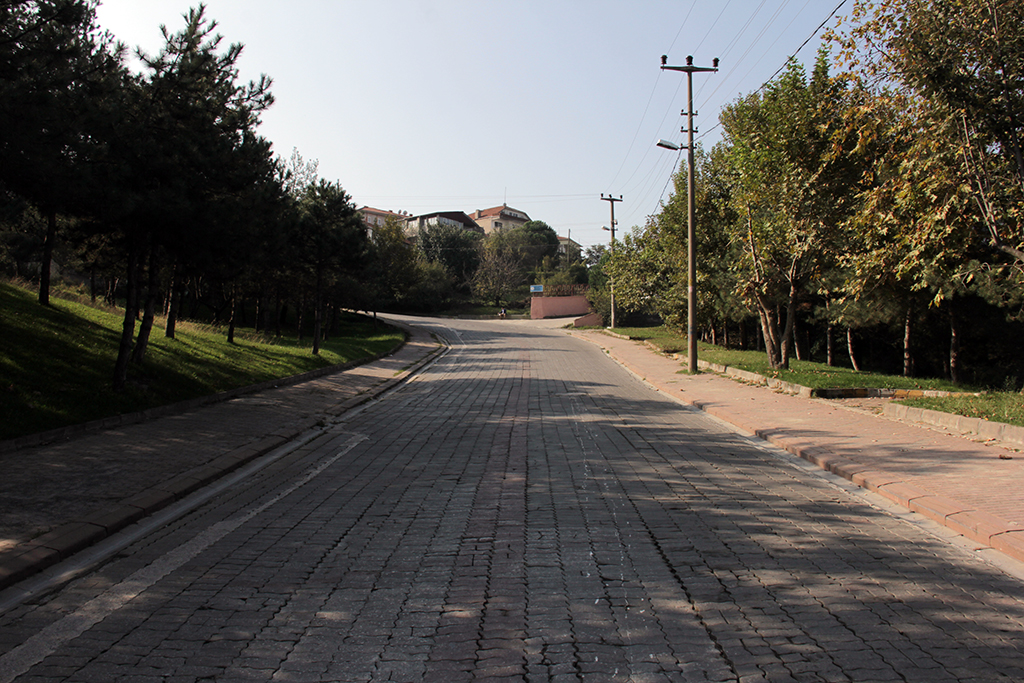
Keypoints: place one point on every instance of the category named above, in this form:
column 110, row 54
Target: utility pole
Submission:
column 611, row 282
column 691, row 232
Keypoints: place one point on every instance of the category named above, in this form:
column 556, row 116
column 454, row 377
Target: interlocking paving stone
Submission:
column 527, row 511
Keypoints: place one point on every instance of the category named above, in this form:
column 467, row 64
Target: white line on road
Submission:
column 34, row 650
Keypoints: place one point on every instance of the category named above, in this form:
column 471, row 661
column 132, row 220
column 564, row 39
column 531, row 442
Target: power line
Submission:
column 645, row 185
column 742, row 58
column 779, row 70
column 683, row 25
column 802, row 45
column 650, row 99
column 712, row 27
column 638, row 128
column 678, row 86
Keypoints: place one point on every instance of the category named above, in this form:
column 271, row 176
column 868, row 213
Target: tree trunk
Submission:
column 908, row 357
column 332, row 322
column 788, row 334
column 830, row 345
column 231, row 314
column 278, row 311
column 192, row 287
column 849, row 349
column 954, row 346
column 318, row 312
column 799, row 340
column 131, row 312
column 110, row 296
column 770, row 332
column 149, row 311
column 44, row 268
column 173, row 304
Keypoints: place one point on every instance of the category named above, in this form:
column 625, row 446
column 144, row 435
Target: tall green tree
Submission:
column 968, row 55
column 331, row 241
column 394, row 268
column 965, row 58
column 57, row 69
column 531, row 243
column 950, row 220
column 454, row 247
column 650, row 264
column 499, row 274
column 182, row 168
column 916, row 225
column 788, row 191
column 540, row 241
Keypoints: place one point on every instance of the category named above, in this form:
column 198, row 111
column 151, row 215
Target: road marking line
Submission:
column 34, row 650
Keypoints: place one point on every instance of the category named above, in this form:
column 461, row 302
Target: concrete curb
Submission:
column 71, row 431
column 56, row 545
column 975, row 426
column 978, row 526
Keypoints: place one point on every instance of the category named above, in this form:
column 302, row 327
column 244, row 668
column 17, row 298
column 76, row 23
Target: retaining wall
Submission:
column 558, row 306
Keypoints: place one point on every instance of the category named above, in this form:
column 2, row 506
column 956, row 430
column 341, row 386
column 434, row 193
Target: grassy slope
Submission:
column 996, row 406
column 56, row 363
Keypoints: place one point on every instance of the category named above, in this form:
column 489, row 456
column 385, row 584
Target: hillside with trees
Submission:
column 154, row 190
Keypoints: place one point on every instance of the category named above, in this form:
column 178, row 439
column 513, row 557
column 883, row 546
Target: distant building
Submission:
column 375, row 218
column 499, row 218
column 414, row 224
column 569, row 249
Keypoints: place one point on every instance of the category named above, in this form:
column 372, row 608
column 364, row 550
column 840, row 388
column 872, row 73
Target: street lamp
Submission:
column 691, row 233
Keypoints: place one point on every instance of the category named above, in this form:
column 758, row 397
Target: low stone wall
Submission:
column 558, row 306
column 589, row 320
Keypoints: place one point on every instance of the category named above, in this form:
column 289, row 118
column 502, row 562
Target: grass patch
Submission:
column 1005, row 407
column 56, row 363
column 997, row 406
column 804, row 373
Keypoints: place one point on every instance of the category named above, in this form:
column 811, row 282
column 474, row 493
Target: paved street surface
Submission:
column 526, row 510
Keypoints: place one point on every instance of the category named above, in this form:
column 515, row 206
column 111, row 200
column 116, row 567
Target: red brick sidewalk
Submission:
column 962, row 484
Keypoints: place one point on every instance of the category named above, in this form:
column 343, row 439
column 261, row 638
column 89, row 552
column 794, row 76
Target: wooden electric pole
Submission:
column 691, row 232
column 611, row 281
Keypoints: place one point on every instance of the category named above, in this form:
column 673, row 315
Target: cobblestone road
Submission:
column 527, row 511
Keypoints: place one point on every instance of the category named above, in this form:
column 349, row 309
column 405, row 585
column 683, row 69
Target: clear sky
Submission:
column 444, row 105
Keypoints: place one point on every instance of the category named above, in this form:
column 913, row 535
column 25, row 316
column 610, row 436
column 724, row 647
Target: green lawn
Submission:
column 996, row 406
column 804, row 373
column 56, row 363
